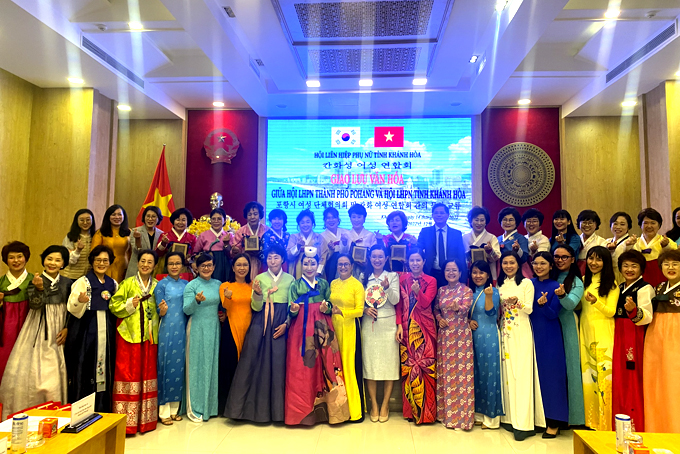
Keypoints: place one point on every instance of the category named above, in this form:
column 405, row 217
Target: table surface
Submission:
column 605, row 442
column 69, row 442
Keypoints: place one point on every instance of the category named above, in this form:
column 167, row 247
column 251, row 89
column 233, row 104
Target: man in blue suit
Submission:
column 442, row 243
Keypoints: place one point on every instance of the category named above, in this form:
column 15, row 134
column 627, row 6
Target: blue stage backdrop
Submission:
column 383, row 164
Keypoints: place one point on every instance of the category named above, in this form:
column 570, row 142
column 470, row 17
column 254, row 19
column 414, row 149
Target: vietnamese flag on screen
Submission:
column 389, row 136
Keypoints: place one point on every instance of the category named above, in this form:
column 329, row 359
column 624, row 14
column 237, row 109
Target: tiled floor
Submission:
column 220, row 435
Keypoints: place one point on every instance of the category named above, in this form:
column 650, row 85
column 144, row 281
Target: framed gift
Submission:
column 359, row 254
column 251, row 243
column 477, row 255
column 181, row 248
column 398, row 252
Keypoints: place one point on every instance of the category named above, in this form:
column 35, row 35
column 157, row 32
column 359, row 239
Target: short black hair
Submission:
column 623, row 214
column 305, row 213
column 533, row 213
column 588, row 215
column 357, row 208
column 331, row 210
column 58, row 249
column 635, row 257
column 278, row 213
column 650, row 213
column 509, row 211
column 669, row 255
column 219, row 211
column 483, row 266
column 179, row 212
column 175, row 254
column 401, row 215
column 203, row 257
column 96, row 252
column 275, row 249
column 415, row 250
column 254, row 204
column 156, row 210
column 15, row 246
column 476, row 211
column 150, row 252
column 440, row 205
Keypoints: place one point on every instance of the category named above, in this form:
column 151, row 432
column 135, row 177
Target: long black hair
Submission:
column 501, row 273
column 74, row 233
column 674, row 233
column 571, row 231
column 607, row 277
column 574, row 271
column 106, row 229
column 232, row 273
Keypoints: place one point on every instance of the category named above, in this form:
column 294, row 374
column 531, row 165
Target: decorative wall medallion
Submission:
column 521, row 174
column 221, row 145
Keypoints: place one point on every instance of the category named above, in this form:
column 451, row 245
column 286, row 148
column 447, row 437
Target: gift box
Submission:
column 48, row 427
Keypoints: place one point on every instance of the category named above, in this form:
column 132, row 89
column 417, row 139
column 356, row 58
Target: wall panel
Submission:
column 16, row 101
column 139, row 147
column 601, row 159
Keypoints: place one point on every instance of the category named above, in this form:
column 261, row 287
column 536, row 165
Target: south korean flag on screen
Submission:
column 345, row 137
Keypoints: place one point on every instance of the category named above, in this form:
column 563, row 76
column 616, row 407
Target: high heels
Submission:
column 548, row 435
column 384, row 418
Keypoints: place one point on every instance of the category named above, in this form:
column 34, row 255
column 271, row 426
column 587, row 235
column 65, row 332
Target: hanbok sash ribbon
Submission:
column 269, row 309
column 304, row 301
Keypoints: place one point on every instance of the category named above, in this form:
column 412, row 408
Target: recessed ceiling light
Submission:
column 124, row 107
column 677, row 74
column 474, row 58
column 135, row 25
column 419, row 81
column 612, row 13
column 76, row 80
column 501, row 4
column 218, row 104
column 313, row 83
column 455, row 104
column 524, row 101
column 365, row 82
column 629, row 103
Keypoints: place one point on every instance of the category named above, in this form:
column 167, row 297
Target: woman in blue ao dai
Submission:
column 201, row 298
column 169, row 294
column 549, row 347
column 486, row 341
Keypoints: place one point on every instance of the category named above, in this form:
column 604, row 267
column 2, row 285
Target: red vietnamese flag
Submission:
column 159, row 195
column 388, row 136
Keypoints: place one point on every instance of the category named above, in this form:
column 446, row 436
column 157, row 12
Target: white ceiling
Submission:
column 192, row 53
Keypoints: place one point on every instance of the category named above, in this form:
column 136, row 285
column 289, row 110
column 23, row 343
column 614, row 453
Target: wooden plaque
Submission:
column 359, row 254
column 477, row 255
column 181, row 248
column 251, row 243
column 398, row 252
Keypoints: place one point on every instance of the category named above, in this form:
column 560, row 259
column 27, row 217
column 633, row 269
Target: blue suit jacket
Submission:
column 454, row 249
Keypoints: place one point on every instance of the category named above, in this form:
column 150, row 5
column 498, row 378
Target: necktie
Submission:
column 442, row 249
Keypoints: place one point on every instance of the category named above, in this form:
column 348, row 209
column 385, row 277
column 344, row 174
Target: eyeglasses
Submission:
column 206, row 267
column 562, row 257
column 587, row 223
column 101, row 261
column 344, row 265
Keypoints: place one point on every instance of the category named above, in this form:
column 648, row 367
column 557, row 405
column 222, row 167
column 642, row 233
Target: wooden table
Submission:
column 106, row 436
column 593, row 442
